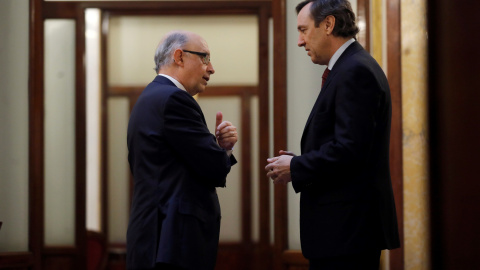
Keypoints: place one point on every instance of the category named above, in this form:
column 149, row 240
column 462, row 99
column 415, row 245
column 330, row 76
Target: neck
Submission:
column 172, row 72
column 337, row 42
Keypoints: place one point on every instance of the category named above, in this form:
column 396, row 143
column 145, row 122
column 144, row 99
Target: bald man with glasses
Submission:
column 177, row 164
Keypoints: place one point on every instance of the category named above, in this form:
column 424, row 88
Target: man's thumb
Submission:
column 219, row 119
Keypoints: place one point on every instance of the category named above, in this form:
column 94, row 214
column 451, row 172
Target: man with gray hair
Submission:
column 176, row 163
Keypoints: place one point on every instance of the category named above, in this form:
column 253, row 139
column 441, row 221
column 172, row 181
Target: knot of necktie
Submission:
column 325, row 75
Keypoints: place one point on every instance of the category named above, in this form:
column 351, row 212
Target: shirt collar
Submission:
column 339, row 52
column 177, row 84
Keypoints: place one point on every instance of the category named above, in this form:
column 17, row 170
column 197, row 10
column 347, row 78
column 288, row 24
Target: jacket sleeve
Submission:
column 186, row 132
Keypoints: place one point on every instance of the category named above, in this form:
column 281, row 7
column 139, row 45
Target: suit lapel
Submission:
column 353, row 48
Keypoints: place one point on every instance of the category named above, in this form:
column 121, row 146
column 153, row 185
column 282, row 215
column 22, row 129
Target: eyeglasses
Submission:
column 205, row 56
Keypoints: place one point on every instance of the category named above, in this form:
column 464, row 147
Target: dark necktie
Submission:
column 325, row 75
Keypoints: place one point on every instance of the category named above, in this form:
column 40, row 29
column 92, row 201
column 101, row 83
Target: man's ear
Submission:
column 329, row 24
column 178, row 57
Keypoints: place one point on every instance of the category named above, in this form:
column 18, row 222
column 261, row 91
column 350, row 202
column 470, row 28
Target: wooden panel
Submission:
column 363, row 18
column 280, row 127
column 59, row 258
column 18, row 260
column 36, row 134
column 394, row 75
column 294, row 260
column 80, row 146
column 58, row 262
column 231, row 90
column 233, row 257
column 264, row 247
column 454, row 132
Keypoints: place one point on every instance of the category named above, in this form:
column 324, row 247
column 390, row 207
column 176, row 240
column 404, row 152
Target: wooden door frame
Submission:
column 262, row 9
column 69, row 255
column 39, row 11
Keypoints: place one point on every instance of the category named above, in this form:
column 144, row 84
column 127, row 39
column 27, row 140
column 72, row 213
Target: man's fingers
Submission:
column 225, row 126
column 288, row 153
column 229, row 134
column 271, row 160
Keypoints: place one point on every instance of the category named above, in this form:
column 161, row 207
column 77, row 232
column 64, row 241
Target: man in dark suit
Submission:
column 176, row 163
column 347, row 209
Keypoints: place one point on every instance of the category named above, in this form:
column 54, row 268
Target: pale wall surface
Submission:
column 415, row 159
column 133, row 40
column 14, row 125
column 59, row 132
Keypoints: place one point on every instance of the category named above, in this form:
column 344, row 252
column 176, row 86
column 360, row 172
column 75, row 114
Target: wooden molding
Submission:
column 9, row 260
column 280, row 127
column 394, row 74
column 363, row 22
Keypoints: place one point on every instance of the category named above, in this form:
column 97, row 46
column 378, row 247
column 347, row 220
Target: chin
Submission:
column 198, row 91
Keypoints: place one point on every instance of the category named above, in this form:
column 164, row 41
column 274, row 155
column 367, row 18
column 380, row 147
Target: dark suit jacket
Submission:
column 176, row 163
column 343, row 174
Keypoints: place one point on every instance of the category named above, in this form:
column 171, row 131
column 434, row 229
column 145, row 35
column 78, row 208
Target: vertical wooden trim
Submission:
column 264, row 139
column 280, row 127
column 36, row 134
column 396, row 162
column 80, row 146
column 246, row 172
column 363, row 22
column 435, row 139
column 104, row 133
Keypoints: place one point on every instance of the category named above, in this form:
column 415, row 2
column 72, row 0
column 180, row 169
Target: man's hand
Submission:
column 278, row 168
column 225, row 132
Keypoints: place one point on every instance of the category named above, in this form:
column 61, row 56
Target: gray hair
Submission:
column 167, row 46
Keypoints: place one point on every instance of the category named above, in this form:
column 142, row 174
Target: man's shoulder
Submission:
column 357, row 60
column 160, row 88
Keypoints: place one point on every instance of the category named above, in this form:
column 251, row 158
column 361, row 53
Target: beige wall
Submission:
column 59, row 132
column 234, row 56
column 14, row 52
column 414, row 114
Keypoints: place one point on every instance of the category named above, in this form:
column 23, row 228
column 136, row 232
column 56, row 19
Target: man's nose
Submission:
column 300, row 41
column 210, row 68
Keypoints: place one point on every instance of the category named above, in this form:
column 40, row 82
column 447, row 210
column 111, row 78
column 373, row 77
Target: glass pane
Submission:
column 59, row 132
column 118, row 169
column 230, row 199
column 14, row 29
column 235, row 58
